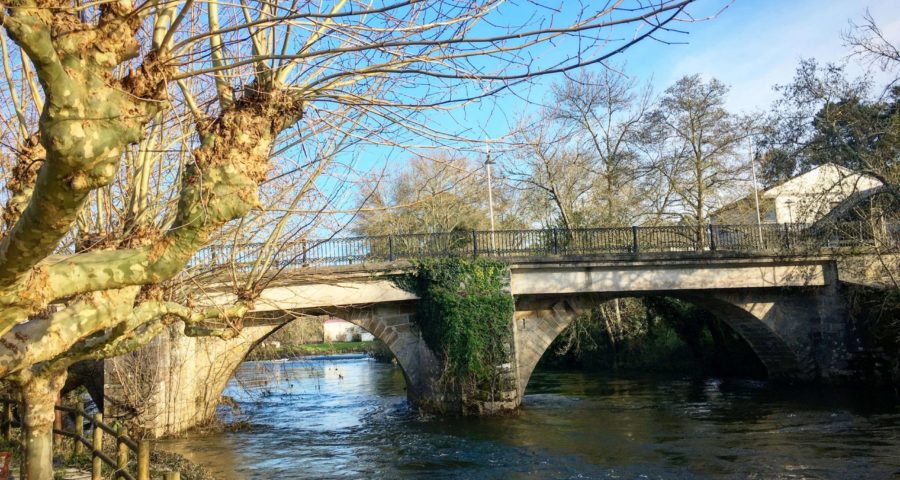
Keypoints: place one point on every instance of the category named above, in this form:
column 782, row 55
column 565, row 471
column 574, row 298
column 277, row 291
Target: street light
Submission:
column 753, row 159
column 487, row 163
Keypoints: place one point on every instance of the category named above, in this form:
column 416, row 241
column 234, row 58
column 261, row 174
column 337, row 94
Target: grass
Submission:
column 328, row 348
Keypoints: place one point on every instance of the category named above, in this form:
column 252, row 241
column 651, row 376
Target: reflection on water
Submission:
column 348, row 418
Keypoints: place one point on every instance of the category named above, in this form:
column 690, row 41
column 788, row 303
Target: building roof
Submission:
column 835, row 179
column 831, row 176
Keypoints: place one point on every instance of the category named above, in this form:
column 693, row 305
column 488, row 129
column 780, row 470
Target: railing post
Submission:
column 862, row 237
column 474, row 244
column 555, row 241
column 78, row 448
column 712, row 240
column 143, row 460
column 305, row 250
column 634, row 239
column 787, row 235
column 7, row 421
column 390, row 248
column 121, row 449
column 97, row 446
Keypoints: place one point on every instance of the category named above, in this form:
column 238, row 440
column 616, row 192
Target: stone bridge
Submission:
column 788, row 306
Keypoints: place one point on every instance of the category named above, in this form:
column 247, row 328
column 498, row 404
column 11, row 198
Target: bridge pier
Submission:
column 175, row 382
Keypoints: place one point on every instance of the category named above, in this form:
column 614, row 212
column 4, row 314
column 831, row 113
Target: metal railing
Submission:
column 125, row 446
column 766, row 239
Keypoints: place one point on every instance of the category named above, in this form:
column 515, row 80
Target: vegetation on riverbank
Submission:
column 875, row 314
column 656, row 334
column 268, row 352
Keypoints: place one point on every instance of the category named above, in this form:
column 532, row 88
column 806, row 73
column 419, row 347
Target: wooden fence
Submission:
column 126, row 448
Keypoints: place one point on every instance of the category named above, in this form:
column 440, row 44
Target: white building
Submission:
column 802, row 199
column 337, row 330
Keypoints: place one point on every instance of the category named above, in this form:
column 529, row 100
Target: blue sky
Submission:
column 756, row 44
column 752, row 46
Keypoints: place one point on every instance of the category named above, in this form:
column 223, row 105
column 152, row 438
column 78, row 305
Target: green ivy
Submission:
column 465, row 314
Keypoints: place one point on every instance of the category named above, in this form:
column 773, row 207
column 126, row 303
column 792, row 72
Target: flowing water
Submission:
column 348, row 418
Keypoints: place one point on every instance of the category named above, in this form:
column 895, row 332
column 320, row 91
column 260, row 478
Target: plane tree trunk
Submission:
column 39, row 394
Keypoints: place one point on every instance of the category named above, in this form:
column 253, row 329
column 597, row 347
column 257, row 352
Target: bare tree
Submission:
column 699, row 140
column 578, row 160
column 555, row 179
column 868, row 41
column 442, row 193
column 602, row 113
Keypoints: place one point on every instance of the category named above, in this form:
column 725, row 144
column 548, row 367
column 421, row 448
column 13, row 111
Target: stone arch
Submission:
column 393, row 324
column 194, row 371
column 775, row 353
column 539, row 320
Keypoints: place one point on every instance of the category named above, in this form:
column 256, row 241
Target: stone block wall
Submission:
column 182, row 379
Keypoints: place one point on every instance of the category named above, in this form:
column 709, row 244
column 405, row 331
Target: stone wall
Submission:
column 182, row 379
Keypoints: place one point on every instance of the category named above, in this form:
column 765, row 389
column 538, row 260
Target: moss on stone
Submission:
column 465, row 315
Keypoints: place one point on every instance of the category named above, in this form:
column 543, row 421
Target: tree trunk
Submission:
column 39, row 394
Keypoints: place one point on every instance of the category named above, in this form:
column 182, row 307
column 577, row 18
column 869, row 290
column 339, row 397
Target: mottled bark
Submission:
column 89, row 117
column 42, row 339
column 101, row 325
column 28, row 160
column 39, row 394
column 221, row 185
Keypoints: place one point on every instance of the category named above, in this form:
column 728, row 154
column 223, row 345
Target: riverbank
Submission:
column 374, row 348
column 70, row 466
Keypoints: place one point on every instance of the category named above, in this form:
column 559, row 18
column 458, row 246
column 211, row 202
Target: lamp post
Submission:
column 487, row 163
column 753, row 158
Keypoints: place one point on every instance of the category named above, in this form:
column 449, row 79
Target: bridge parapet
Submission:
column 615, row 242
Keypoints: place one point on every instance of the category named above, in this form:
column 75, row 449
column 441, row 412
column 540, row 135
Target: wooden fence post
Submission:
column 143, row 460
column 57, row 423
column 121, row 449
column 7, row 421
column 97, row 446
column 78, row 448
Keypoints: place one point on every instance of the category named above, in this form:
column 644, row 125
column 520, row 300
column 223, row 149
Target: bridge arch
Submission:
column 191, row 373
column 391, row 323
column 539, row 320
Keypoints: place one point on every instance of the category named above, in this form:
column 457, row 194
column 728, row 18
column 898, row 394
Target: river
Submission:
column 348, row 418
